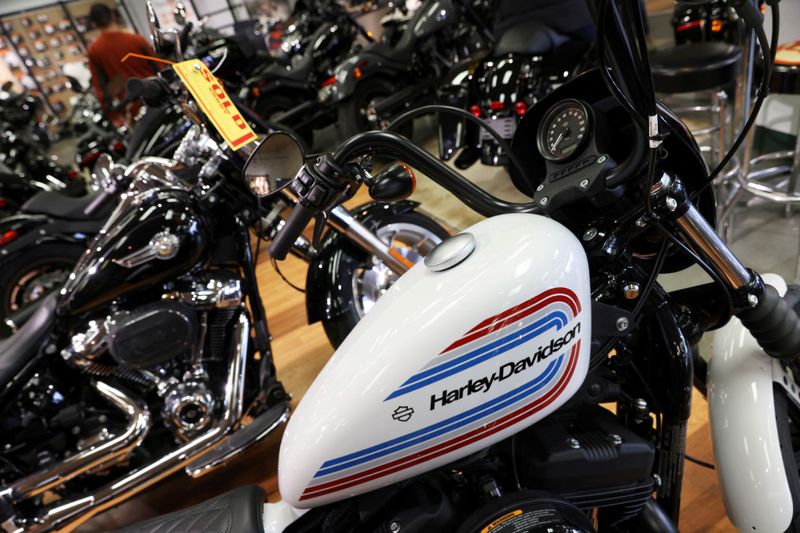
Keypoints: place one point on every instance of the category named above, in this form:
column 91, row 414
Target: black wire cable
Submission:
column 284, row 278
column 699, row 462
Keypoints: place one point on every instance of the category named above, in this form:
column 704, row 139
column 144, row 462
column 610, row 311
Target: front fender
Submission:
column 325, row 298
column 744, row 429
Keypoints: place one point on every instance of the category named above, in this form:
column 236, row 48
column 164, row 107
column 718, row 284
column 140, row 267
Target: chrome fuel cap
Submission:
column 450, row 252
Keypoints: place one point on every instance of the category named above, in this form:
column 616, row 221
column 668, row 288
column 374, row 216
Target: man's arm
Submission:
column 99, row 82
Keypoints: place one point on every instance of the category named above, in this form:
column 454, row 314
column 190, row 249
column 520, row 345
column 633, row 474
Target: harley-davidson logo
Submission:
column 505, row 371
column 403, row 413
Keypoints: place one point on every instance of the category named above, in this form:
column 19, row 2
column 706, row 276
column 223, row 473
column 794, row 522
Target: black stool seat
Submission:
column 695, row 67
column 785, row 77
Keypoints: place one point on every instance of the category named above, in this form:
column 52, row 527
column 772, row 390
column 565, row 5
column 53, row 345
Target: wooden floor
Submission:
column 301, row 350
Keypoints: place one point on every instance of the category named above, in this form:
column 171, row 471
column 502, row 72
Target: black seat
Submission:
column 237, row 511
column 18, row 349
column 695, row 67
column 529, row 38
column 58, row 205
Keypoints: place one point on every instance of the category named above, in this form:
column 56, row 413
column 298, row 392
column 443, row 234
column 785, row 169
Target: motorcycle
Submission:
column 287, row 93
column 481, row 408
column 25, row 166
column 154, row 356
column 528, row 61
column 380, row 81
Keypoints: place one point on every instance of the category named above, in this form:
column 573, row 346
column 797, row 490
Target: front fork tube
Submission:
column 342, row 221
column 262, row 336
column 677, row 409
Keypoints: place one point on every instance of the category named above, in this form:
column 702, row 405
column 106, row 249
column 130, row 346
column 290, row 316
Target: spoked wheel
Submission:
column 364, row 278
column 33, row 275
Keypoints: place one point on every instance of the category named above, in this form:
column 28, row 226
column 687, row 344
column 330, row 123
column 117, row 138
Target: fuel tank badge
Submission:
column 164, row 245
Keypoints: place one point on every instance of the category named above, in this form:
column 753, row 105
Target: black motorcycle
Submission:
column 384, row 79
column 25, row 166
column 288, row 93
column 528, row 61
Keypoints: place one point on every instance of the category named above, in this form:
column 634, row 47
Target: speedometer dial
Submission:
column 564, row 130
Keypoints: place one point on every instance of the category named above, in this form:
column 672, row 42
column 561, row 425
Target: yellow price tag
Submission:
column 215, row 103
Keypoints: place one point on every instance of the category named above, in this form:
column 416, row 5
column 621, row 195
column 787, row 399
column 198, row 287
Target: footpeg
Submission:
column 240, row 440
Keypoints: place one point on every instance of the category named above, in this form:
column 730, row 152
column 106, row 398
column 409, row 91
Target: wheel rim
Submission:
column 373, row 278
column 35, row 283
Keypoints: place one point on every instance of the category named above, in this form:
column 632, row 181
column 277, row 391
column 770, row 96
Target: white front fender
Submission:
column 744, row 429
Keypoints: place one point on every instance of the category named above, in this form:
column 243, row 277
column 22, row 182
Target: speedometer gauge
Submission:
column 564, row 130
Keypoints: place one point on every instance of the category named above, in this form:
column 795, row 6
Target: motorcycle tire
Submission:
column 352, row 112
column 354, row 262
column 269, row 106
column 788, row 416
column 46, row 263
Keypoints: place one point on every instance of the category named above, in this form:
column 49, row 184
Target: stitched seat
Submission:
column 58, row 205
column 237, row 511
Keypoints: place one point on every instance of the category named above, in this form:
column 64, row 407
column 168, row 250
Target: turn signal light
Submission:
column 7, row 237
column 496, row 105
column 475, row 110
column 357, row 73
column 520, row 108
column 716, row 25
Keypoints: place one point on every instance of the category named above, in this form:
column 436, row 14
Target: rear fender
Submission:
column 352, row 71
column 325, row 298
column 744, row 428
column 34, row 230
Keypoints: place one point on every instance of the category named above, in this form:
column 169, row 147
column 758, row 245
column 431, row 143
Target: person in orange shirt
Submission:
column 109, row 73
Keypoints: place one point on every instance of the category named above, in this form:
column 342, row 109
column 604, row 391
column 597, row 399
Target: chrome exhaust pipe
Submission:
column 110, row 451
column 67, row 516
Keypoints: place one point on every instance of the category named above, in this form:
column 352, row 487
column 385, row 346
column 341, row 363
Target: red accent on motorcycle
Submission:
column 475, row 110
column 118, row 146
column 85, row 160
column 329, row 81
column 496, row 105
column 690, row 25
column 520, row 108
column 7, row 237
column 73, row 174
column 256, row 92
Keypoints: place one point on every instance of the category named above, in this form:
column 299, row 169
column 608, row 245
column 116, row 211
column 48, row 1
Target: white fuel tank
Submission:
column 445, row 364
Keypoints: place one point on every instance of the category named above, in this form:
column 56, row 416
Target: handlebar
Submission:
column 397, row 146
column 291, row 230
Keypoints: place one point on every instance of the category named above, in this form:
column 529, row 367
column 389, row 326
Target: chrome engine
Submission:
column 179, row 377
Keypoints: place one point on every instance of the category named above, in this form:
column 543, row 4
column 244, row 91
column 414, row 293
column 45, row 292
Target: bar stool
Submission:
column 700, row 67
column 774, row 176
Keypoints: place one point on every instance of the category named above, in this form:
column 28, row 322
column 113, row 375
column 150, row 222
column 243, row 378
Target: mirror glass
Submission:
column 273, row 164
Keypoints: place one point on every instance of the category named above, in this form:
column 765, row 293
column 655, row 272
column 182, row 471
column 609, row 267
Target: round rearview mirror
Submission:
column 273, row 164
column 155, row 28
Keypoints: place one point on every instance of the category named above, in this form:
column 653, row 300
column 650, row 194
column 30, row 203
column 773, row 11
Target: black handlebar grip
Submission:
column 774, row 325
column 283, row 241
